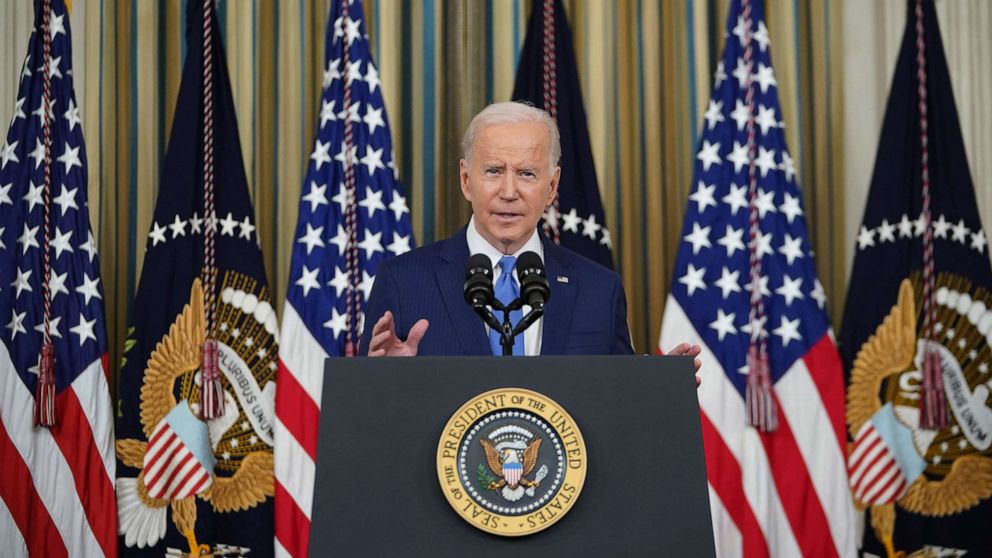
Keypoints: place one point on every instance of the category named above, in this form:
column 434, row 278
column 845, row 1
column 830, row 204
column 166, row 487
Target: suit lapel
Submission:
column 450, row 279
column 558, row 310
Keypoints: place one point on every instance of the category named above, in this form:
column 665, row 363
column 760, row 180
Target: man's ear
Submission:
column 463, row 179
column 553, row 191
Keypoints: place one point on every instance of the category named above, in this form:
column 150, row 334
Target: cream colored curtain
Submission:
column 17, row 18
column 646, row 69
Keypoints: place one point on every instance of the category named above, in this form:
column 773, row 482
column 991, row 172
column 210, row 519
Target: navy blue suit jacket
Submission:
column 585, row 314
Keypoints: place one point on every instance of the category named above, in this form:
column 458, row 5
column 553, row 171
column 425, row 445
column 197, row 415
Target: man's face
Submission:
column 510, row 182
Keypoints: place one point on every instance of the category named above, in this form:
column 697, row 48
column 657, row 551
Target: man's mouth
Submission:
column 506, row 216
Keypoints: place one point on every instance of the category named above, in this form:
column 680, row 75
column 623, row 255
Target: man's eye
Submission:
column 529, row 174
column 492, row 171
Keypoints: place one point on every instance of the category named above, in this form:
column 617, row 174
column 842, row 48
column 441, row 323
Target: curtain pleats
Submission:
column 646, row 69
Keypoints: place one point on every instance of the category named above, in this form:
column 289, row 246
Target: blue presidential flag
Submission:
column 918, row 323
column 548, row 78
column 195, row 475
column 352, row 216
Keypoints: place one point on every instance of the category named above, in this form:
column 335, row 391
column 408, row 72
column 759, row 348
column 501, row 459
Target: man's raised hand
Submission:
column 384, row 341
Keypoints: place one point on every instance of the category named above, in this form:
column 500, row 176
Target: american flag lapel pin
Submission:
column 562, row 279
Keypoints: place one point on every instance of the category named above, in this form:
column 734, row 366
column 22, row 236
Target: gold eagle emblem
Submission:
column 957, row 475
column 171, row 367
column 496, row 459
column 511, row 460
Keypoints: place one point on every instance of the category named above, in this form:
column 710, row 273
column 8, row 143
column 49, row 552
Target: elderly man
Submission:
column 509, row 174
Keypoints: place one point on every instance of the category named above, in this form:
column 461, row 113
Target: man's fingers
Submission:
column 684, row 349
column 416, row 334
column 385, row 323
column 384, row 341
column 381, row 339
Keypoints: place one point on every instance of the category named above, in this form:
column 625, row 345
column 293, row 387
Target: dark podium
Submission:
column 377, row 490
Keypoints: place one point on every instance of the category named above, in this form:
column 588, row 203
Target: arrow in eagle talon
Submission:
column 541, row 473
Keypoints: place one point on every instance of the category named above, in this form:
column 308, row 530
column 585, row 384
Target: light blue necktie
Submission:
column 507, row 291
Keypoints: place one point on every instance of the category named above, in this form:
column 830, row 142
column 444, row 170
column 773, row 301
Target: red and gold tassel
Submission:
column 211, row 389
column 762, row 412
column 933, row 406
column 44, row 398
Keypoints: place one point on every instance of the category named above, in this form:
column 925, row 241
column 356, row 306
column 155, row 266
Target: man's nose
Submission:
column 508, row 188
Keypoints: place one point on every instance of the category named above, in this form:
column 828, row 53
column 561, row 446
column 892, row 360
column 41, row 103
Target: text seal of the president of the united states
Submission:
column 511, row 461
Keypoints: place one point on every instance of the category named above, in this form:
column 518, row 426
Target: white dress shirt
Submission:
column 479, row 245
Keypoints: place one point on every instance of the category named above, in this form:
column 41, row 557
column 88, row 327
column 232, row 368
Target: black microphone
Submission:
column 534, row 288
column 479, row 281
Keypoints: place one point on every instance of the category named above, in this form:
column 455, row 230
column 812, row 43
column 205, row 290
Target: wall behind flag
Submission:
column 646, row 70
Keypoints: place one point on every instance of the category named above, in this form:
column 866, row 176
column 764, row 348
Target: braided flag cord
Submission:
column 45, row 393
column 56, row 481
column 550, row 86
column 352, row 215
column 352, row 266
column 211, row 389
column 933, row 408
column 745, row 289
column 761, row 411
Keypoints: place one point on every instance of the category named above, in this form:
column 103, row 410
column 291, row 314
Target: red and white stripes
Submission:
column 56, row 485
column 781, row 493
column 301, row 382
column 171, row 470
column 875, row 474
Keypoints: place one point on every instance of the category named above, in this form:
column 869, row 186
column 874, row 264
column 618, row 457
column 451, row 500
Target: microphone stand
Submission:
column 507, row 333
column 478, row 291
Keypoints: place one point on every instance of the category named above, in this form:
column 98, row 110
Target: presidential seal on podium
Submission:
column 511, row 462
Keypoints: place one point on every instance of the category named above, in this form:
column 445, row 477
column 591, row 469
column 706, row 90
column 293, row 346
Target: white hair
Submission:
column 512, row 112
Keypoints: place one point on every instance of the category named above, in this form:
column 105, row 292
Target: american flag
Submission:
column 352, row 216
column 56, row 484
column 781, row 492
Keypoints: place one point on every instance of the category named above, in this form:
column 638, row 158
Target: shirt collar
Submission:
column 479, row 245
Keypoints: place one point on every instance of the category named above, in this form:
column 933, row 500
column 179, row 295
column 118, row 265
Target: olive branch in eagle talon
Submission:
column 483, row 476
column 499, row 460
